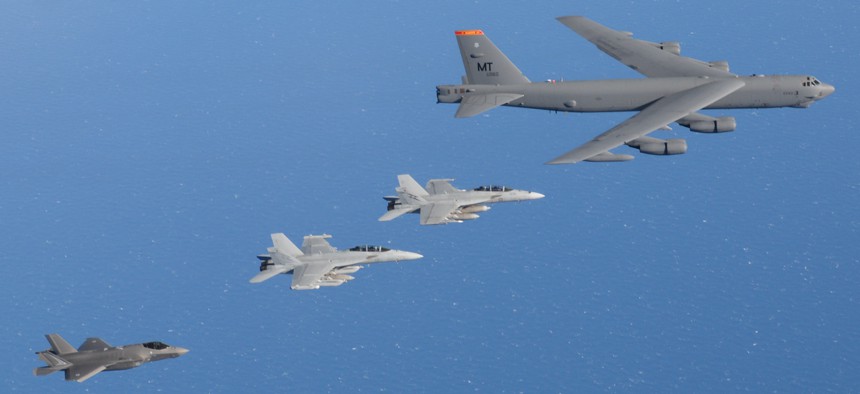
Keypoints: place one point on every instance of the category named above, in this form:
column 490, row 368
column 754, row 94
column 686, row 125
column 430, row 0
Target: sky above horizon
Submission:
column 151, row 148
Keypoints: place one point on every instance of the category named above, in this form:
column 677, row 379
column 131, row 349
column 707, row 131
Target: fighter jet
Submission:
column 442, row 203
column 318, row 263
column 96, row 355
column 675, row 89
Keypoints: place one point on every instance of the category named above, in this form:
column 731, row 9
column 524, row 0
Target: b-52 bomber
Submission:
column 95, row 355
column 317, row 264
column 675, row 89
column 442, row 203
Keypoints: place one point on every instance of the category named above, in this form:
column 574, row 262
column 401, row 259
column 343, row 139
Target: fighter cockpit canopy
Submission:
column 369, row 248
column 493, row 188
column 156, row 345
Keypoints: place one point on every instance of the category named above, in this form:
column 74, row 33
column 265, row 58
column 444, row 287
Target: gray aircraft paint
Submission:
column 669, row 74
column 318, row 264
column 96, row 355
column 442, row 203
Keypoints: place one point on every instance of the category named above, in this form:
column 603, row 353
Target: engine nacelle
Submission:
column 673, row 47
column 474, row 208
column 720, row 65
column 656, row 146
column 719, row 125
column 463, row 216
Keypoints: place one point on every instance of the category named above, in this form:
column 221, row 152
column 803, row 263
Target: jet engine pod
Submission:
column 655, row 146
column 719, row 125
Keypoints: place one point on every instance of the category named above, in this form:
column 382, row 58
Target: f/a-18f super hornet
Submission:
column 442, row 203
column 676, row 88
column 318, row 264
column 95, row 355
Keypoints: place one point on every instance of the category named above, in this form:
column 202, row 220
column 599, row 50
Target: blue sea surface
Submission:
column 150, row 148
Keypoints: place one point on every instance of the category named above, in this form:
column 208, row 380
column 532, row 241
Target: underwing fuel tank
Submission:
column 464, row 216
column 331, row 282
column 342, row 277
column 475, row 208
column 347, row 270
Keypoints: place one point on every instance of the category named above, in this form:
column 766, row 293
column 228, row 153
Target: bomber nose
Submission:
column 826, row 90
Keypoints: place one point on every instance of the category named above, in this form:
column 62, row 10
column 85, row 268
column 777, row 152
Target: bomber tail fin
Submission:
column 485, row 63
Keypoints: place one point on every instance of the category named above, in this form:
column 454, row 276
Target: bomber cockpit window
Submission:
column 369, row 248
column 811, row 81
column 156, row 345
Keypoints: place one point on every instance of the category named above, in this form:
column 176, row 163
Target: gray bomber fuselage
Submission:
column 616, row 95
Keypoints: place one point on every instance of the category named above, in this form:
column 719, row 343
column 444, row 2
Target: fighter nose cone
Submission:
column 826, row 90
column 411, row 256
column 536, row 196
column 181, row 350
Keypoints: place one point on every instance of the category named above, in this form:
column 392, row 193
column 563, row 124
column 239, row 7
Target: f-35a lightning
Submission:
column 317, row 264
column 675, row 89
column 442, row 203
column 95, row 355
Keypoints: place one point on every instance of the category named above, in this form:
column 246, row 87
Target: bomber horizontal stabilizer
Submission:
column 478, row 103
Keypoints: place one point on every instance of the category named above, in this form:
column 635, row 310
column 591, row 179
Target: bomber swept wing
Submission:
column 651, row 59
column 662, row 112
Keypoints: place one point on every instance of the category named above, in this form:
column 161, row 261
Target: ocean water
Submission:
column 151, row 148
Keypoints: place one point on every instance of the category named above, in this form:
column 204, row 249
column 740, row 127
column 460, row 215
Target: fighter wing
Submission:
column 437, row 213
column 80, row 373
column 94, row 344
column 307, row 276
column 647, row 58
column 396, row 213
column 474, row 104
column 660, row 113
column 317, row 244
